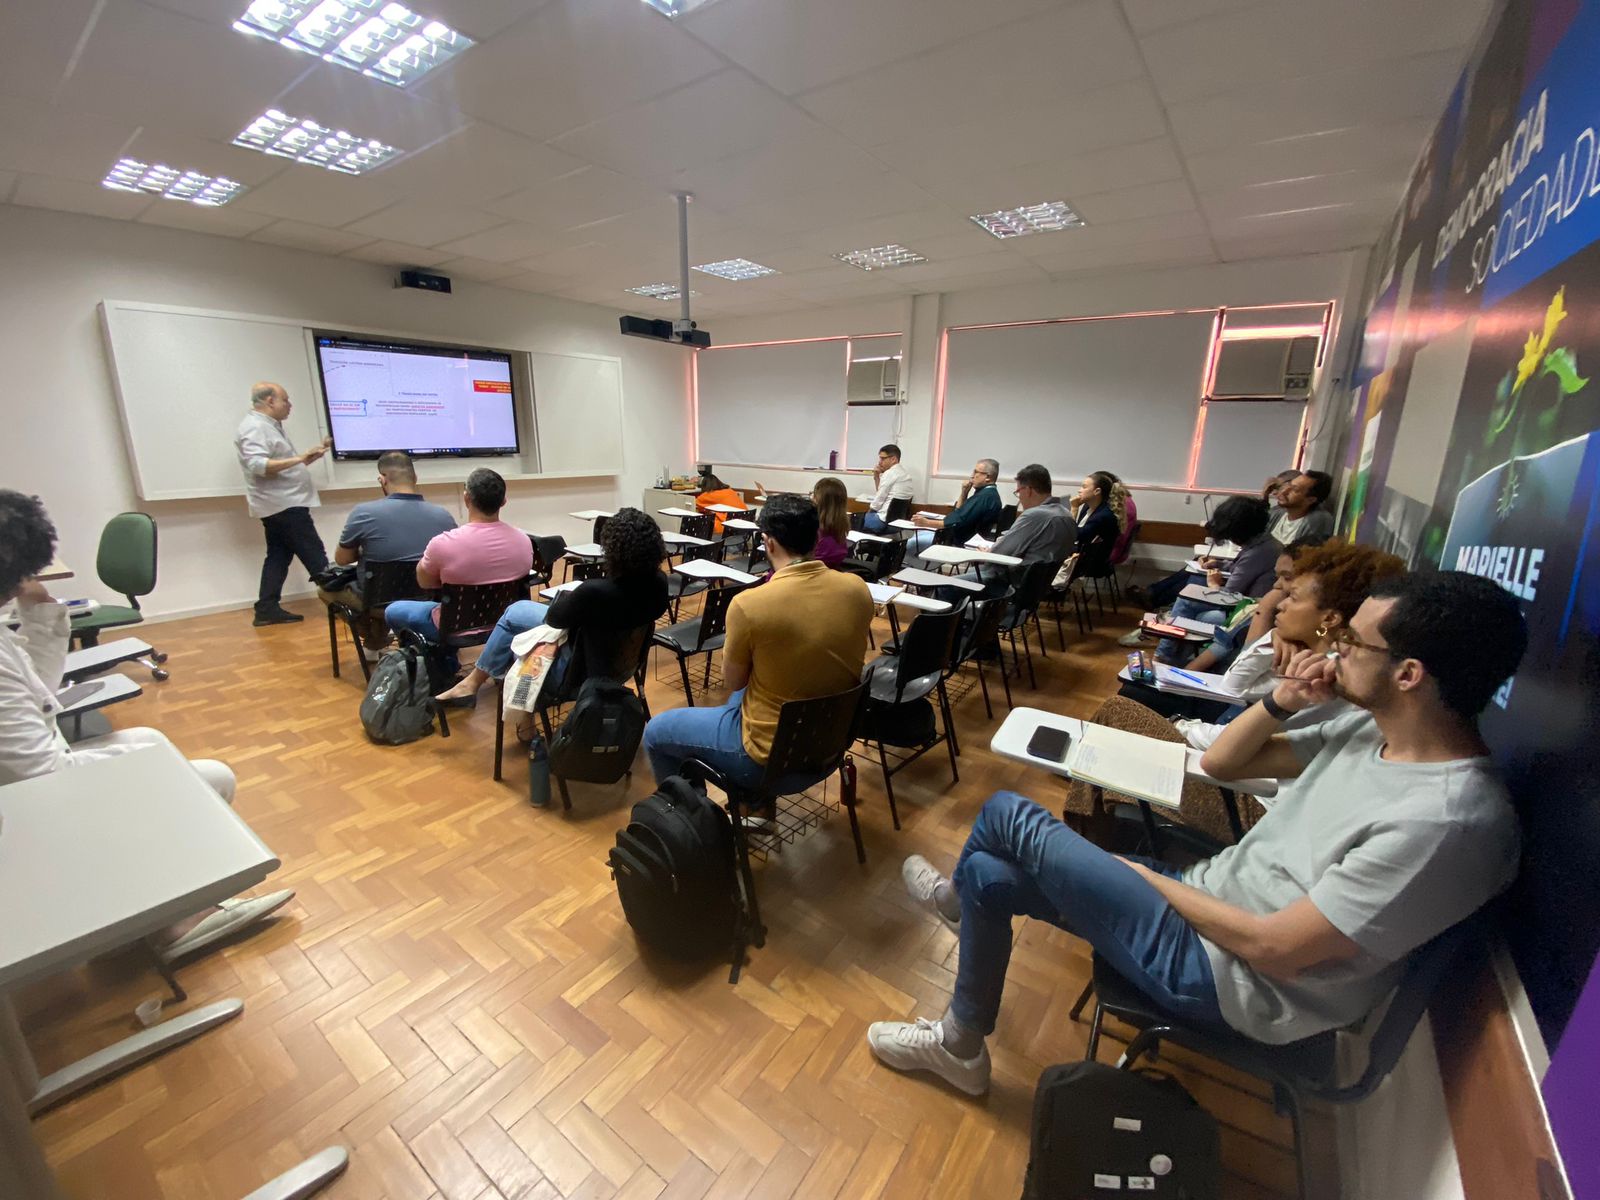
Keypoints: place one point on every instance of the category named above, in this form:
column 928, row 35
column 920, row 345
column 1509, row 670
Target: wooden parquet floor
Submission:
column 455, row 997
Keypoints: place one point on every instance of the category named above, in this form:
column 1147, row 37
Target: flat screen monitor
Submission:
column 430, row 401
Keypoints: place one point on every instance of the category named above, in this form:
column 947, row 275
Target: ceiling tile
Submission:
column 8, row 180
column 398, row 254
column 480, row 19
column 1382, row 187
column 36, row 44
column 227, row 221
column 300, row 236
column 317, row 196
column 154, row 67
column 812, row 157
column 1392, row 145
column 1154, row 161
column 572, row 62
column 1131, row 204
column 475, row 164
column 1146, row 16
column 476, row 269
column 1260, row 44
column 44, row 141
column 1036, row 63
column 74, row 195
column 1121, row 233
column 915, row 228
column 188, row 153
column 343, row 99
column 1353, row 95
column 827, row 207
column 1329, row 241
column 798, row 46
column 1164, row 252
column 506, row 243
column 424, row 224
column 533, row 281
column 588, row 194
column 723, row 114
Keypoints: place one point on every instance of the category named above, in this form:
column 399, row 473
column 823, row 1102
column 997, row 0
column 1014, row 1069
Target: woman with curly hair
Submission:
column 1329, row 583
column 631, row 593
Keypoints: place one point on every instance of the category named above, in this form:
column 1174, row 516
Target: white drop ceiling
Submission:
column 545, row 158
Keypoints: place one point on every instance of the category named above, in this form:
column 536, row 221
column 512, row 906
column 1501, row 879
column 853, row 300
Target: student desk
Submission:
column 897, row 597
column 858, row 535
column 704, row 568
column 916, row 577
column 960, row 556
column 98, row 856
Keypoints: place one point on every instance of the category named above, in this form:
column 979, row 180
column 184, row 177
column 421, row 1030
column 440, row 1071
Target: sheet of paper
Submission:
column 1128, row 763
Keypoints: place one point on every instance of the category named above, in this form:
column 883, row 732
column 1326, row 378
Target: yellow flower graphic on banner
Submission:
column 1538, row 345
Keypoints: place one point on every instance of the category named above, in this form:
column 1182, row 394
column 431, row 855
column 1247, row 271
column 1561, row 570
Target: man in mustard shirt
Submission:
column 801, row 635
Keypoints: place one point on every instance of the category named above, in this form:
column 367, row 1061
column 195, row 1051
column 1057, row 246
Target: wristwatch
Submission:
column 1275, row 710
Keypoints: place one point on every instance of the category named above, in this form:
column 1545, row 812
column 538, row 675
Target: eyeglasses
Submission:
column 1345, row 640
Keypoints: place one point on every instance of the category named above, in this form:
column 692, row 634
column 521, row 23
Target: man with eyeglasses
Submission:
column 1390, row 827
column 976, row 510
column 892, row 482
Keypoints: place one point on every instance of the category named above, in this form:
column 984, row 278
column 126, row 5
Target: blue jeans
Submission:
column 873, row 523
column 1020, row 860
column 919, row 541
column 716, row 737
column 1171, row 651
column 496, row 657
column 1164, row 591
column 416, row 616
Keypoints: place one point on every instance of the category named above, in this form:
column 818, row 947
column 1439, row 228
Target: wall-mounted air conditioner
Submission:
column 1267, row 367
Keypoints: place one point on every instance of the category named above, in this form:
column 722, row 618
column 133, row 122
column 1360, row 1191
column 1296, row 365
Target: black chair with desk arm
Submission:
column 384, row 583
column 619, row 656
column 1306, row 1070
column 467, row 616
column 547, row 554
column 1022, row 610
column 703, row 634
column 916, row 670
column 979, row 641
column 679, row 586
column 812, row 742
column 1070, row 588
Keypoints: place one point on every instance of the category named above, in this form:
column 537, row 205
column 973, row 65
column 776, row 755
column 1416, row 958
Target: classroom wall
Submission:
column 922, row 319
column 64, row 440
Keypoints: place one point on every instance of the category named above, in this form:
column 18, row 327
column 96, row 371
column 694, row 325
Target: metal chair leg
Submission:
column 1083, row 999
column 1092, row 1051
column 983, row 683
column 949, row 734
column 1146, row 1041
column 1005, row 681
column 1033, row 683
column 333, row 641
column 888, row 783
column 683, row 669
column 499, row 726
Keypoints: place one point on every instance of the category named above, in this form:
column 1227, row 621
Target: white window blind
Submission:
column 1247, row 440
column 1118, row 394
column 779, row 405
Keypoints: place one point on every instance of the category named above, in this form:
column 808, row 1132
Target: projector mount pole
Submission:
column 683, row 324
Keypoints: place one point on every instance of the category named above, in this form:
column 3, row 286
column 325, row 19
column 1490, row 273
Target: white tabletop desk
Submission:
column 902, row 523
column 550, row 593
column 960, row 555
column 727, row 508
column 584, row 550
column 683, row 539
column 590, row 514
column 683, row 512
column 858, row 535
column 704, row 568
column 56, row 570
column 916, row 577
column 740, row 523
column 91, row 660
column 1011, row 741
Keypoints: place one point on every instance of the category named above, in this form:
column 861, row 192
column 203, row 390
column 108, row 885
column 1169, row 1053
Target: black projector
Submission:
column 425, row 281
column 663, row 331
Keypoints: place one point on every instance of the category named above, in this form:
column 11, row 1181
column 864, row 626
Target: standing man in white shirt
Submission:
column 893, row 482
column 281, row 494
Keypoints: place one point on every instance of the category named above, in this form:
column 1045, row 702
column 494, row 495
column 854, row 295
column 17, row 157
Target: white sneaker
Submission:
column 1136, row 638
column 922, row 880
column 919, row 1046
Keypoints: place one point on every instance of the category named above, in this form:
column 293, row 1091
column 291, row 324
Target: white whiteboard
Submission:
column 1118, row 394
column 183, row 383
column 771, row 405
column 579, row 412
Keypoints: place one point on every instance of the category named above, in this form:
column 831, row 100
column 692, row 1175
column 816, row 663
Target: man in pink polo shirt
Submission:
column 484, row 550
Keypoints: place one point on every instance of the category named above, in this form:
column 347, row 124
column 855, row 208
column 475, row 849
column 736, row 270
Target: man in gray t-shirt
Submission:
column 1393, row 828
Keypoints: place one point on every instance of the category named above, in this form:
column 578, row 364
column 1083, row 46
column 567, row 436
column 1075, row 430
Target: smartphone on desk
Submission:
column 1050, row 744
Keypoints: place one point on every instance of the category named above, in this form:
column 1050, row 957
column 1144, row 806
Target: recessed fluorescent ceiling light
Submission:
column 736, row 269
column 659, row 291
column 676, row 8
column 1030, row 218
column 305, row 141
column 131, row 175
column 881, row 258
column 384, row 40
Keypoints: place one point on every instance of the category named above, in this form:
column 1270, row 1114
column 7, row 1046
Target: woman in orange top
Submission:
column 714, row 491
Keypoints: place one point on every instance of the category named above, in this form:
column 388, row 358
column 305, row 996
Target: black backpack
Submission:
column 676, row 875
column 397, row 707
column 1098, row 1131
column 600, row 737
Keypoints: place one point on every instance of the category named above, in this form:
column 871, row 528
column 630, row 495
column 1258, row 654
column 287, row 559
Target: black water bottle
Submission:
column 538, row 773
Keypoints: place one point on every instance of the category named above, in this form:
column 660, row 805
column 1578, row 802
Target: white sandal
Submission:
column 232, row 916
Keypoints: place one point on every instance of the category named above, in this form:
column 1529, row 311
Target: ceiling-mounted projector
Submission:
column 665, row 331
column 683, row 330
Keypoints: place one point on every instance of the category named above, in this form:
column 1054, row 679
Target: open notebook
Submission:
column 1128, row 763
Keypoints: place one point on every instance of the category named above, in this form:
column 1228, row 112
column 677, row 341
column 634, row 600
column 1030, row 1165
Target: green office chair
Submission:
column 126, row 563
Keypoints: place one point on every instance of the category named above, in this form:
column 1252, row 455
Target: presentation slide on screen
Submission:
column 395, row 398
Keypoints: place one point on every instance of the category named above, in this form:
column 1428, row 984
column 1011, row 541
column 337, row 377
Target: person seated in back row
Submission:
column 396, row 528
column 892, row 482
column 977, row 511
column 1391, row 827
column 1044, row 531
column 799, row 636
column 484, row 550
column 32, row 658
column 630, row 592
column 833, row 521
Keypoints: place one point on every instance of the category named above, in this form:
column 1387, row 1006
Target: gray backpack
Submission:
column 397, row 708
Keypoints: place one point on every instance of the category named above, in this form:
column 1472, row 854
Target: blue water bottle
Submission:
column 538, row 773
